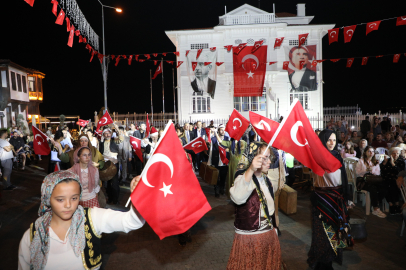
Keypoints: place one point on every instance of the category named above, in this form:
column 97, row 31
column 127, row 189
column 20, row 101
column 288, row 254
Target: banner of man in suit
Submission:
column 302, row 75
column 203, row 77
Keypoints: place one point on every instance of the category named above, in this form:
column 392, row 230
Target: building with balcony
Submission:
column 247, row 24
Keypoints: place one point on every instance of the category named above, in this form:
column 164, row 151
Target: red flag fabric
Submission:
column 164, row 53
column 84, row 40
column 176, row 53
column 147, row 56
column 379, row 56
column 194, row 65
column 249, row 71
column 207, row 63
column 278, row 42
column 302, row 39
column 335, row 60
column 148, row 127
column 223, row 155
column 155, row 54
column 136, row 145
column 238, row 49
column 155, row 62
column 364, row 60
column 117, row 60
column 71, row 36
column 169, row 62
column 60, row 18
column 77, row 33
column 89, row 47
column 80, row 39
column 197, row 145
column 41, row 146
column 296, row 136
column 113, row 56
column 285, row 65
column 271, row 63
column 228, row 47
column 179, row 63
column 208, row 134
column 170, row 199
column 264, row 127
column 57, row 168
column 219, row 63
column 30, row 2
column 130, row 59
column 236, row 125
column 54, row 7
column 67, row 24
column 136, row 57
column 141, row 60
column 349, row 62
column 396, row 58
column 93, row 53
column 105, row 120
column 257, row 44
column 401, row 20
column 314, row 63
column 158, row 70
column 372, row 26
column 187, row 52
column 199, row 51
column 301, row 64
column 100, row 56
column 349, row 32
column 83, row 123
column 212, row 49
column 333, row 35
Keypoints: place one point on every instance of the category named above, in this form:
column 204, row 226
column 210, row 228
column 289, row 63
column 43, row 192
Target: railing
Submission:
column 342, row 110
column 33, row 95
column 247, row 19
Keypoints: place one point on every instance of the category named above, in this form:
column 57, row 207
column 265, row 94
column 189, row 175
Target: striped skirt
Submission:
column 90, row 203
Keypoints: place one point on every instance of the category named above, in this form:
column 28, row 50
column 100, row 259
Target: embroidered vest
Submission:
column 91, row 255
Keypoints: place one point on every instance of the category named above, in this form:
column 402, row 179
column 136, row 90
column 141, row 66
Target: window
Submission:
column 295, row 42
column 13, row 81
column 254, row 104
column 3, row 78
column 262, row 101
column 24, row 84
column 237, row 103
column 31, row 84
column 263, row 40
column 199, row 46
column 250, row 41
column 39, row 85
column 245, row 104
column 238, row 41
column 303, row 98
column 19, row 83
column 201, row 103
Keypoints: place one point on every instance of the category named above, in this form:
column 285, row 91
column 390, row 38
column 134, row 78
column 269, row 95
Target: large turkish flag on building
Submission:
column 197, row 145
column 296, row 136
column 169, row 196
column 249, row 71
column 40, row 142
column 264, row 127
column 236, row 125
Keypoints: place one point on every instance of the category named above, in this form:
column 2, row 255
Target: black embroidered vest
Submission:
column 91, row 255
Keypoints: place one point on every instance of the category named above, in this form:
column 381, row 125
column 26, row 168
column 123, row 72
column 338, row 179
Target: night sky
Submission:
column 73, row 86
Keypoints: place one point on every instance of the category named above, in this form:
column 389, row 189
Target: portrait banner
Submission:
column 302, row 74
column 202, row 72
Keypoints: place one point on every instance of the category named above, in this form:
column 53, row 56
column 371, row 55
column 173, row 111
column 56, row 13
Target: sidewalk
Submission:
column 212, row 236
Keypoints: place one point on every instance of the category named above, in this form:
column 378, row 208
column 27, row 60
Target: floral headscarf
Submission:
column 40, row 244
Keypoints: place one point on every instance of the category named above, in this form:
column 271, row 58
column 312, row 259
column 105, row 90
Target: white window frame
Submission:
column 205, row 106
column 240, row 103
column 301, row 96
column 197, row 46
column 295, row 42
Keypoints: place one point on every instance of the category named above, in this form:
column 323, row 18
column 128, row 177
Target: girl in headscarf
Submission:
column 66, row 235
column 89, row 177
column 256, row 244
column 330, row 229
column 96, row 158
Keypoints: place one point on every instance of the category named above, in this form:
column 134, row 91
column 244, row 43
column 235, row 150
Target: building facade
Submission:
column 248, row 24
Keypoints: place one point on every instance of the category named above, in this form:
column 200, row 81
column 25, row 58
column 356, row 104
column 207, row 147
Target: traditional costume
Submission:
column 97, row 157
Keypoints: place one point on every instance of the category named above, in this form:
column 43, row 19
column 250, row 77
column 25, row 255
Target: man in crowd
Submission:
column 365, row 127
column 344, row 122
column 140, row 134
column 132, row 129
column 124, row 151
column 49, row 132
column 385, row 125
column 379, row 142
column 109, row 149
column 189, row 135
column 6, row 153
column 199, row 132
column 341, row 129
column 18, row 143
column 67, row 144
column 215, row 160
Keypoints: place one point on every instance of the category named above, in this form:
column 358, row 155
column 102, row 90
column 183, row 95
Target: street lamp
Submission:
column 104, row 68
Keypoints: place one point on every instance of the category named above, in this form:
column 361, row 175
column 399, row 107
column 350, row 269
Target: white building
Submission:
column 248, row 24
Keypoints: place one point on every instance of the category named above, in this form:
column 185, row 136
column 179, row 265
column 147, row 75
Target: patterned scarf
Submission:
column 40, row 244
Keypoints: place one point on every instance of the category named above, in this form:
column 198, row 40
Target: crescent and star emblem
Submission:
column 302, row 38
column 154, row 159
column 348, row 32
column 262, row 124
column 199, row 144
column 372, row 25
column 100, row 122
column 402, row 18
column 136, row 144
column 333, row 33
column 250, row 56
column 293, row 133
column 38, row 142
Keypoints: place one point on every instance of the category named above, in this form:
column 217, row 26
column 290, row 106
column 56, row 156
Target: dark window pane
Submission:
column 13, row 81
column 19, row 83
column 24, row 84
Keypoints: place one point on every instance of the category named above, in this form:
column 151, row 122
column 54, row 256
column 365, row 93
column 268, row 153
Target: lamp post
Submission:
column 104, row 68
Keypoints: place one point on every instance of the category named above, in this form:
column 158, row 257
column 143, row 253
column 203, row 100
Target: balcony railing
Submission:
column 35, row 96
column 247, row 19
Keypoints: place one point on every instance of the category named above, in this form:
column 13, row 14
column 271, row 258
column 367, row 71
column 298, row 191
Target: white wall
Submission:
column 17, row 95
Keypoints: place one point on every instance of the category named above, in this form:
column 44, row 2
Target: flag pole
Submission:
column 152, row 105
column 173, row 85
column 163, row 89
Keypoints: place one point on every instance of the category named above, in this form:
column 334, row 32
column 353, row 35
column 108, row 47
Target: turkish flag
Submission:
column 30, row 2
column 301, row 64
column 364, row 60
column 396, row 58
column 249, row 71
column 349, row 32
column 117, row 60
column 228, row 47
column 212, row 49
column 80, row 39
column 147, row 56
column 148, row 127
column 379, row 56
column 335, row 60
column 187, row 52
column 194, row 65
column 155, row 54
column 219, row 63
column 372, row 26
column 60, row 18
column 130, row 59
column 169, row 62
column 314, row 63
column 93, row 53
column 208, row 134
column 296, row 136
column 136, row 145
column 302, row 39
column 207, row 63
column 238, row 49
column 83, row 123
column 57, row 168
column 100, row 56
column 264, row 127
column 71, row 36
column 54, row 7
column 199, row 51
column 40, row 142
column 236, row 125
column 223, row 155
column 67, row 24
column 197, row 145
column 179, row 63
column 271, row 63
column 105, row 120
column 158, row 71
column 278, row 42
column 285, row 65
column 401, row 21
column 257, row 44
column 136, row 57
column 333, row 35
column 155, row 62
column 142, row 61
column 170, row 199
column 176, row 53
column 349, row 62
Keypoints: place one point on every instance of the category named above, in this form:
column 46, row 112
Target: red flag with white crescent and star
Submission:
column 105, row 120
column 169, row 196
column 396, row 58
column 130, row 59
column 349, row 62
column 169, row 62
column 136, row 145
column 207, row 63
column 60, row 18
column 239, row 48
column 264, row 127
column 148, row 128
column 71, row 35
column 314, row 63
column 177, row 53
column 372, row 26
column 333, row 35
column 83, row 123
column 296, row 136
column 223, row 155
column 278, row 42
column 41, row 146
column 212, row 49
column 364, row 60
column 158, row 71
column 208, row 134
column 179, row 63
column 401, row 20
column 228, row 47
column 147, row 56
column 155, row 54
column 197, row 145
column 249, row 71
column 194, row 65
column 236, row 125
column 349, row 32
column 302, row 39
column 285, row 65
column 257, row 44
column 199, row 51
